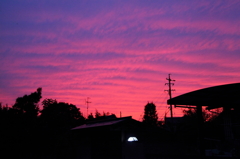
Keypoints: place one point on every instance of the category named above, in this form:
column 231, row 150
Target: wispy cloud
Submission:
column 119, row 53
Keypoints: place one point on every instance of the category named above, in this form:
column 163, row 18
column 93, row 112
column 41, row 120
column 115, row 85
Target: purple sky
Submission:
column 118, row 53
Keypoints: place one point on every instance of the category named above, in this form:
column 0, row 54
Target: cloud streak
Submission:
column 117, row 52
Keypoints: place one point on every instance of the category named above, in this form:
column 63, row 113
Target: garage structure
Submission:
column 118, row 138
column 223, row 96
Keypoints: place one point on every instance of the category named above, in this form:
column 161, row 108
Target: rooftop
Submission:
column 104, row 122
column 227, row 95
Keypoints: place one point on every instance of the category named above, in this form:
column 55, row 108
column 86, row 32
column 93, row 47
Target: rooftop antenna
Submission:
column 170, row 91
column 87, row 102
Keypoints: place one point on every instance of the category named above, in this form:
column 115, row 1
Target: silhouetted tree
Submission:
column 150, row 115
column 189, row 127
column 97, row 114
column 20, row 126
column 90, row 116
column 106, row 114
column 57, row 119
column 191, row 114
column 28, row 104
column 60, row 113
column 47, row 102
column 3, row 111
column 6, row 130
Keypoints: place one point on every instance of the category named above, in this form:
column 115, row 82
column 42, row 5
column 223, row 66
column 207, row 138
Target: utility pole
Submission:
column 87, row 102
column 170, row 91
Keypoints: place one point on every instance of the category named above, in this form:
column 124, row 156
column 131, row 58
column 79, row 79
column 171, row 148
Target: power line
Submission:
column 164, row 99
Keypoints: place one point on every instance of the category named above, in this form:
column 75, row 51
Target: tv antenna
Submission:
column 87, row 103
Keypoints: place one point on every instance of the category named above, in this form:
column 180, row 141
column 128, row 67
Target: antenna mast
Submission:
column 170, row 91
column 87, row 102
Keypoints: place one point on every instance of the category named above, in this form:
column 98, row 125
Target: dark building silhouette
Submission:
column 125, row 138
column 109, row 138
column 223, row 96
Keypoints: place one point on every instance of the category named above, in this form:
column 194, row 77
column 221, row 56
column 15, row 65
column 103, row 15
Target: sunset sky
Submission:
column 118, row 53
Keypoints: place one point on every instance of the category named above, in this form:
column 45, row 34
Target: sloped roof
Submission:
column 100, row 123
column 214, row 97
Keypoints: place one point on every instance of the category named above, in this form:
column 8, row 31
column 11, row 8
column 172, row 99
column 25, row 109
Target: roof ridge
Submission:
column 107, row 119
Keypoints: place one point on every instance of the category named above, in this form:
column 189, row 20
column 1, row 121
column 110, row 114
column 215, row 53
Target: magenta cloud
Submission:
column 118, row 53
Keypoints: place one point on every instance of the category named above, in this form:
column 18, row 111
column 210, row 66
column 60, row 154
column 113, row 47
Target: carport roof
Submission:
column 227, row 95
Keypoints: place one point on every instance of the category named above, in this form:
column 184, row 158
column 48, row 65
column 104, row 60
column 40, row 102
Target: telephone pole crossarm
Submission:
column 170, row 84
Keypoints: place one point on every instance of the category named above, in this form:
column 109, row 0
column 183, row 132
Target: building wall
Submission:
column 133, row 150
column 107, row 144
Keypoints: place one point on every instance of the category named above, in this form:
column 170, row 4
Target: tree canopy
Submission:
column 25, row 128
column 60, row 113
column 28, row 104
column 150, row 114
column 99, row 116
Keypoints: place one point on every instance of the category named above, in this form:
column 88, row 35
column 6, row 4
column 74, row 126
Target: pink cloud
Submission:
column 119, row 55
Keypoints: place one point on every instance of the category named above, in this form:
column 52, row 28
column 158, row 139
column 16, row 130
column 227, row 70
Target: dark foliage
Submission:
column 191, row 115
column 27, row 132
column 28, row 104
column 60, row 114
column 56, row 120
column 99, row 116
column 150, row 115
column 20, row 127
column 90, row 116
